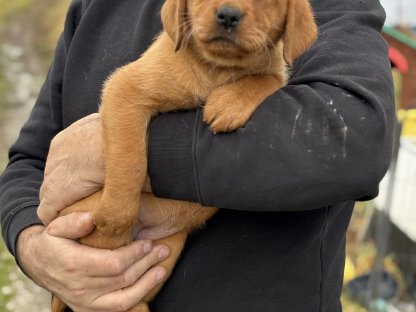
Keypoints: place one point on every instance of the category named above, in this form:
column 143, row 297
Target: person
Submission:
column 286, row 182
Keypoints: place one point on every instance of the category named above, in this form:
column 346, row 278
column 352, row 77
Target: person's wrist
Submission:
column 25, row 247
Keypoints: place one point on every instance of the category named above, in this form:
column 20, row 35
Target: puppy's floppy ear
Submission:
column 301, row 30
column 174, row 20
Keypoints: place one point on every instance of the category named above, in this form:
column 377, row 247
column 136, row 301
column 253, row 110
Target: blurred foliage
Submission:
column 35, row 26
column 362, row 252
column 9, row 9
column 397, row 78
column 4, row 85
column 48, row 20
column 349, row 305
column 41, row 23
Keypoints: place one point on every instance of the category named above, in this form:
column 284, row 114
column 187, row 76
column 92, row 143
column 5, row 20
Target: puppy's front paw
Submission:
column 226, row 111
column 113, row 219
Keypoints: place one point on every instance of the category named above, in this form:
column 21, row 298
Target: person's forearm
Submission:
column 19, row 198
column 324, row 138
column 24, row 248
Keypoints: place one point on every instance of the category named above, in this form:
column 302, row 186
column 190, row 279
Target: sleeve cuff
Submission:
column 22, row 219
column 171, row 155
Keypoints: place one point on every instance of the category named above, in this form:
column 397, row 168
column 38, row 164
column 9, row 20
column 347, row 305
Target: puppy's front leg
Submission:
column 126, row 112
column 231, row 106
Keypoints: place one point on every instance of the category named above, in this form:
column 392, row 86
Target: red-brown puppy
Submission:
column 229, row 54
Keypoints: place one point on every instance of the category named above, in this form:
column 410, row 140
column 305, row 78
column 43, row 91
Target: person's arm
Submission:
column 21, row 180
column 86, row 278
column 324, row 138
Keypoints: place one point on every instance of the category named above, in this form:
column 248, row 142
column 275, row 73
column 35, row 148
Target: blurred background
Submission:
column 380, row 272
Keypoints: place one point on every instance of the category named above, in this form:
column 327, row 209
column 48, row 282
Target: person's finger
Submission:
column 72, row 226
column 115, row 263
column 105, row 285
column 126, row 298
column 93, row 261
column 134, row 272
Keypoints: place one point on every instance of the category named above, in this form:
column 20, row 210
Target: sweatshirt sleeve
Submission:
column 21, row 180
column 325, row 138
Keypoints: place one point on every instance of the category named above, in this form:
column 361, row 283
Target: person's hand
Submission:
column 85, row 278
column 74, row 168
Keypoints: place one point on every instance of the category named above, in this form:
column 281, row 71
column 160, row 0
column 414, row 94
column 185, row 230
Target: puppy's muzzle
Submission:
column 228, row 17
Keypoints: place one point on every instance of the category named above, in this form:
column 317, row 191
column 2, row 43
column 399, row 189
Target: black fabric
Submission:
column 287, row 180
column 329, row 129
column 275, row 261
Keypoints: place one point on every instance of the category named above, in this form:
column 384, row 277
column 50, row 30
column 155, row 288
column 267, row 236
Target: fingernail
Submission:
column 163, row 253
column 147, row 247
column 85, row 216
column 160, row 275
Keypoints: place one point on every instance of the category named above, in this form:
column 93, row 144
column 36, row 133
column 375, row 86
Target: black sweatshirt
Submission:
column 287, row 180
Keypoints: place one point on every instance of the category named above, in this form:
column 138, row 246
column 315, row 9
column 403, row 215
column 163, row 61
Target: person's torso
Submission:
column 241, row 261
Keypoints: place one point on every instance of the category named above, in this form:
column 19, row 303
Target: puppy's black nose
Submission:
column 228, row 17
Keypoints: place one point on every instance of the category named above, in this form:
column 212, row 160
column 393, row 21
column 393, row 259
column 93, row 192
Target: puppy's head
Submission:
column 226, row 30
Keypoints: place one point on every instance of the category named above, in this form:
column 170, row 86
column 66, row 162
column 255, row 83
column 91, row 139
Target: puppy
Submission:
column 229, row 54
